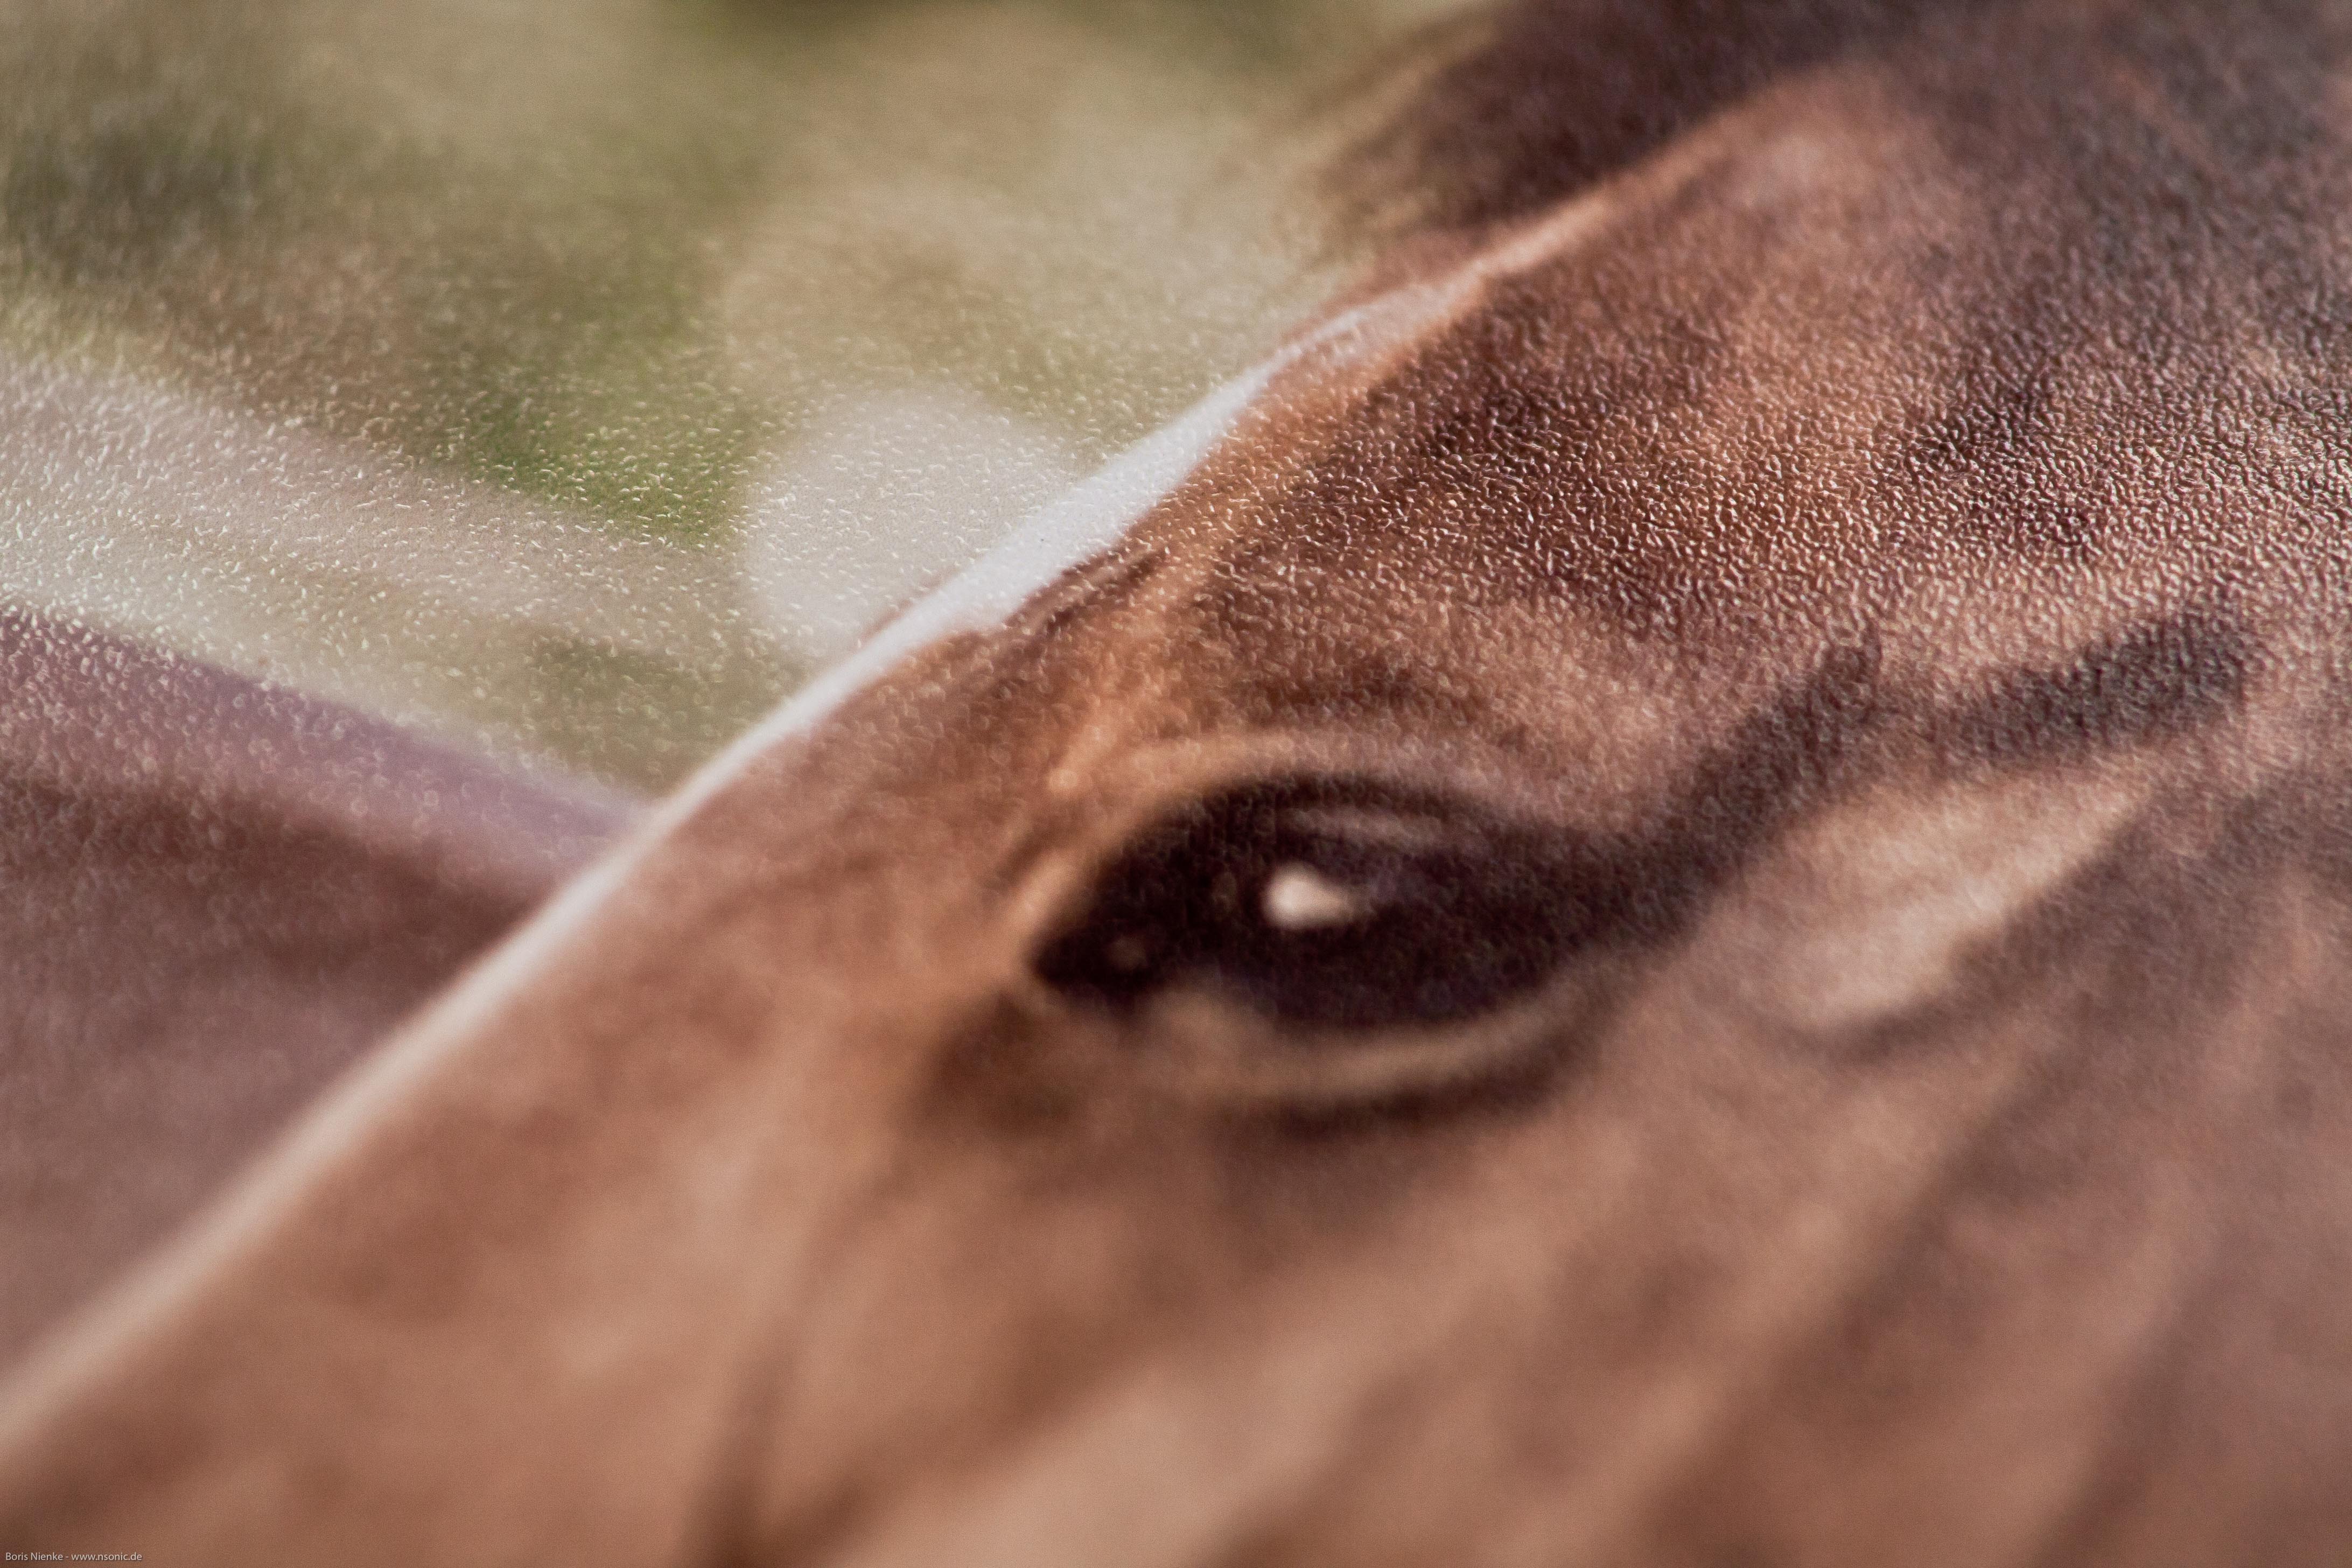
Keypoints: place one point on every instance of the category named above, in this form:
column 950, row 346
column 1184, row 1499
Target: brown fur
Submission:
column 1881, row 538
column 213, row 894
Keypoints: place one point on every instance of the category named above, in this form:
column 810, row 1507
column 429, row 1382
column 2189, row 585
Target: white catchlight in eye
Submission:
column 1299, row 898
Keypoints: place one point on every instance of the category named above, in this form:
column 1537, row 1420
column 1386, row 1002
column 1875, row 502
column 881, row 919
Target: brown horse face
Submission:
column 1573, row 947
column 1688, row 905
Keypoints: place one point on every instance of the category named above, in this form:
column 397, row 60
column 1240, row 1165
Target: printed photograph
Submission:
column 1176, row 784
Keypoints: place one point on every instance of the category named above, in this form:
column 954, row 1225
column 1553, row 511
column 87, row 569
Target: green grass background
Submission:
column 616, row 255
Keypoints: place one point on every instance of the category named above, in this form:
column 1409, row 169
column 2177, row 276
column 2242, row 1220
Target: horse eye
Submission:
column 1322, row 904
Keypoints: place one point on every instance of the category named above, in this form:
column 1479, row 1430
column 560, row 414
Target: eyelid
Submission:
column 1209, row 1054
column 1152, row 781
column 1121, row 796
column 1405, row 830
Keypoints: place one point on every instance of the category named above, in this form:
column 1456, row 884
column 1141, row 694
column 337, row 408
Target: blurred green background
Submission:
column 574, row 378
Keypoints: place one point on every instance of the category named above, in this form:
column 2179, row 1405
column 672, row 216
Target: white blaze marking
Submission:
column 1299, row 898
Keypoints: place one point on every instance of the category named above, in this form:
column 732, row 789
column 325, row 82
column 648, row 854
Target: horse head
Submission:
column 1676, row 892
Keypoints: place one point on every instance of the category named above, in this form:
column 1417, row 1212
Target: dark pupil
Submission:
column 1335, row 909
